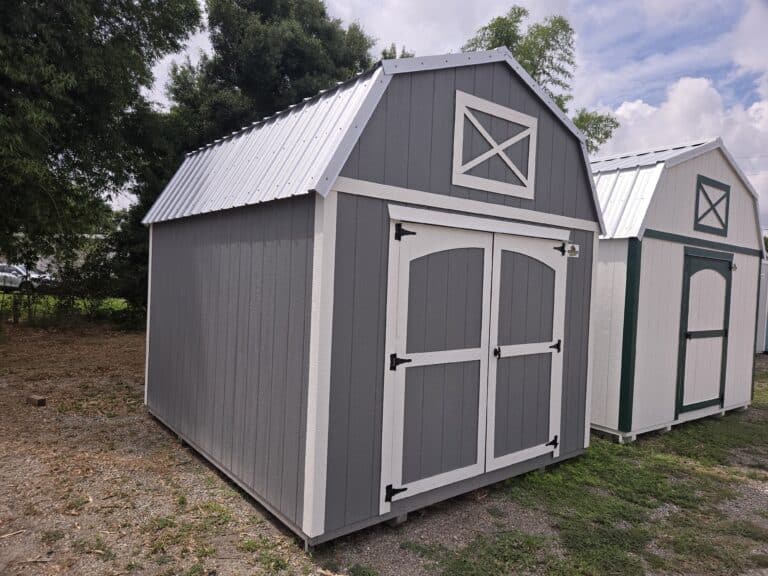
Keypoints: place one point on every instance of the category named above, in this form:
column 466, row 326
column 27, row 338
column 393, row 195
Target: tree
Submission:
column 545, row 49
column 267, row 54
column 71, row 73
column 390, row 53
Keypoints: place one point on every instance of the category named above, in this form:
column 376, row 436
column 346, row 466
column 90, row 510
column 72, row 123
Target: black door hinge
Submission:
column 390, row 492
column 554, row 442
column 557, row 345
column 560, row 248
column 732, row 267
column 394, row 361
column 497, row 352
column 400, row 231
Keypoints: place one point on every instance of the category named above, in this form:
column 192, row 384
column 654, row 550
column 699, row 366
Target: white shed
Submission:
column 677, row 288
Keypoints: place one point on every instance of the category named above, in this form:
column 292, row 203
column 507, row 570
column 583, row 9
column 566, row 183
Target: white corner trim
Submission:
column 591, row 341
column 441, row 201
column 465, row 105
column 451, row 220
column 319, row 385
column 149, row 306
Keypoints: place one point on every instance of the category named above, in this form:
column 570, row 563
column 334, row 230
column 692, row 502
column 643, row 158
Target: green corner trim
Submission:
column 696, row 260
column 721, row 230
column 629, row 337
column 680, row 239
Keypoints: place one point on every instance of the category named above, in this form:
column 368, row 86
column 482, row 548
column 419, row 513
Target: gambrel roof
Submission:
column 626, row 183
column 303, row 148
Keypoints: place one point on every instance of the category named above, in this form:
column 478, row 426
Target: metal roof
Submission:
column 626, row 183
column 298, row 150
column 303, row 148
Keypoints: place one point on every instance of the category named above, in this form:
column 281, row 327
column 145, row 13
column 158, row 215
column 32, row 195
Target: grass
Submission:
column 654, row 505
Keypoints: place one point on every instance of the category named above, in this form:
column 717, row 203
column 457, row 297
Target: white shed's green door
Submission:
column 453, row 408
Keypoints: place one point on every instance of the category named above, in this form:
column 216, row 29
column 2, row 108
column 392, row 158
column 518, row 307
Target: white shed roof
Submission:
column 303, row 148
column 626, row 183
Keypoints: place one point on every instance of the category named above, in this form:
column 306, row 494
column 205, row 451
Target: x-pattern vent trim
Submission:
column 466, row 106
column 712, row 200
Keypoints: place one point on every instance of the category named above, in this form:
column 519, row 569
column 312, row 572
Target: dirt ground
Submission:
column 92, row 484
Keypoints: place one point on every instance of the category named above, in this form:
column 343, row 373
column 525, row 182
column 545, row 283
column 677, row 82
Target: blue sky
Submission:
column 670, row 70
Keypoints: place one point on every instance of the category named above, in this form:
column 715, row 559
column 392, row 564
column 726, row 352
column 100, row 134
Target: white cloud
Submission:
column 694, row 110
column 748, row 44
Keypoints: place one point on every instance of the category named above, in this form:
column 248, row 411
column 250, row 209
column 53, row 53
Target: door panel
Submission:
column 526, row 304
column 441, row 411
column 445, row 296
column 522, row 403
column 525, row 374
column 437, row 368
column 704, row 318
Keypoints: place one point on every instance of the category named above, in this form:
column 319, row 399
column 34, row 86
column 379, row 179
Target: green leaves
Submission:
column 546, row 51
column 71, row 74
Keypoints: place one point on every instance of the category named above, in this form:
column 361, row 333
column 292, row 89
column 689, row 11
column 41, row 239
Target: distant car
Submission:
column 18, row 277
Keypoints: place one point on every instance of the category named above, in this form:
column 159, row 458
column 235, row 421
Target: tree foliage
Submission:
column 390, row 52
column 267, row 54
column 546, row 51
column 71, row 73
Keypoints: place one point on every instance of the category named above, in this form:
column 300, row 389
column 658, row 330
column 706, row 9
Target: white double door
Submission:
column 473, row 375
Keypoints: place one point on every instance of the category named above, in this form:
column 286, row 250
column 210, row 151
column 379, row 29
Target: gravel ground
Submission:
column 92, row 484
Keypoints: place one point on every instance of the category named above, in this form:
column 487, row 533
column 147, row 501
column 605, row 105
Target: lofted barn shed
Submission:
column 677, row 288
column 379, row 298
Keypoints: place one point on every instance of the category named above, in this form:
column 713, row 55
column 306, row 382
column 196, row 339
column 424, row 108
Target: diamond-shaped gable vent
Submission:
column 494, row 147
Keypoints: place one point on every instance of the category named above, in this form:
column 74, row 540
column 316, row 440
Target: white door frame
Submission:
column 543, row 252
column 394, row 381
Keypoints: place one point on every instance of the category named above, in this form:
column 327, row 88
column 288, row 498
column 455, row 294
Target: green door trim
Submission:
column 718, row 264
column 721, row 230
column 629, row 336
column 700, row 242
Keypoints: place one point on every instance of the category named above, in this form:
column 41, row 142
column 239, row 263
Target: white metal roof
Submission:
column 626, row 183
column 303, row 148
column 299, row 149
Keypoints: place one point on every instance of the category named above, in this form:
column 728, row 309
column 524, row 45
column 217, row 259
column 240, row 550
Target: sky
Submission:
column 671, row 71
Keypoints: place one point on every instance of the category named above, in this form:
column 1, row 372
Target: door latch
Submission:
column 557, row 345
column 497, row 352
column 390, row 492
column 394, row 361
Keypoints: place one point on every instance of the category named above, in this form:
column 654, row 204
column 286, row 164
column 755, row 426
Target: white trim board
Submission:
column 319, row 385
column 591, row 342
column 451, row 220
column 432, row 200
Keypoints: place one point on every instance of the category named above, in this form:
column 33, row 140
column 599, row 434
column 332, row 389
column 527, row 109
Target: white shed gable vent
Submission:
column 494, row 147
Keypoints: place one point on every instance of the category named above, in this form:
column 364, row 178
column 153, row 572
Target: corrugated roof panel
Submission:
column 626, row 184
column 643, row 158
column 282, row 156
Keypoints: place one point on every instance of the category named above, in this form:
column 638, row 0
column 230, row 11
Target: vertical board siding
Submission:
column 440, row 410
column 411, row 134
column 610, row 285
column 445, row 300
column 522, row 403
column 358, row 359
column 229, row 353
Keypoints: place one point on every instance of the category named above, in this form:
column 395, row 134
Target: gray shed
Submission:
column 379, row 298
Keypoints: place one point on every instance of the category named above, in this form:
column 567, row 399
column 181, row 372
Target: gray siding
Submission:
column 522, row 403
column 440, row 410
column 359, row 323
column 229, row 342
column 408, row 141
column 445, row 301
